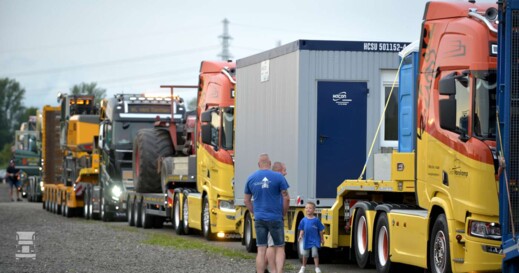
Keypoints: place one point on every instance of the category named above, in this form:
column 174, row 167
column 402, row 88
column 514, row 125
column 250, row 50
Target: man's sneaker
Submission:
column 302, row 270
column 317, row 270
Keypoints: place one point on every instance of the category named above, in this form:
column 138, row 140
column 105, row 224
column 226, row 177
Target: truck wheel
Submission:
column 439, row 253
column 148, row 147
column 67, row 213
column 145, row 218
column 63, row 204
column 360, row 238
column 382, row 257
column 185, row 215
column 86, row 204
column 206, row 220
column 137, row 213
column 250, row 242
column 105, row 215
column 129, row 212
column 177, row 221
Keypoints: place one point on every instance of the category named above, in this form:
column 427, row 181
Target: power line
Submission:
column 120, row 38
column 114, row 62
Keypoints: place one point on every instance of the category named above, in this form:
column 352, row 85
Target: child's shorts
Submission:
column 315, row 253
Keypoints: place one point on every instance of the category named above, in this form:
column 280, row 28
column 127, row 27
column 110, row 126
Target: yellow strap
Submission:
column 380, row 122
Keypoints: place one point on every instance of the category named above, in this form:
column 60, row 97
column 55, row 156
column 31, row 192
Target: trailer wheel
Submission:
column 145, row 218
column 137, row 213
column 206, row 220
column 250, row 242
column 360, row 238
column 177, row 221
column 382, row 257
column 129, row 212
column 86, row 204
column 439, row 253
column 149, row 146
column 185, row 215
column 63, row 204
column 105, row 215
column 67, row 213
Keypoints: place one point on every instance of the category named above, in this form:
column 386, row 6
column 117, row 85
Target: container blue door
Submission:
column 341, row 134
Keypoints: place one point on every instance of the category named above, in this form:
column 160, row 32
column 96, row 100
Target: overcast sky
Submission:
column 135, row 46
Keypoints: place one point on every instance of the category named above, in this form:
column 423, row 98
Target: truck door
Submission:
column 341, row 134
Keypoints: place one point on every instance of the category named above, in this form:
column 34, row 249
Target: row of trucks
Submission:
column 87, row 151
column 428, row 197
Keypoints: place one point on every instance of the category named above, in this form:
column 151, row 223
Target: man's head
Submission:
column 279, row 167
column 11, row 162
column 264, row 162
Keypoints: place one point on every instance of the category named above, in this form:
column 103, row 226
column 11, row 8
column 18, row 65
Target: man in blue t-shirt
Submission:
column 267, row 188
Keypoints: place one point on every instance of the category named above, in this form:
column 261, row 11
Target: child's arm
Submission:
column 301, row 233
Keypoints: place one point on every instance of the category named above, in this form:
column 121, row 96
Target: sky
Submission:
column 134, row 46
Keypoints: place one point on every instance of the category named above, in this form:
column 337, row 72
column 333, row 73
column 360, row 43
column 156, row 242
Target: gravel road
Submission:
column 78, row 245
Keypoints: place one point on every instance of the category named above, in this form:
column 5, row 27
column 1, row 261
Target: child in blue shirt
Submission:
column 311, row 231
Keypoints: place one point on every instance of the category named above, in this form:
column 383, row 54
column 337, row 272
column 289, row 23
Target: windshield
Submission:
column 124, row 132
column 485, row 106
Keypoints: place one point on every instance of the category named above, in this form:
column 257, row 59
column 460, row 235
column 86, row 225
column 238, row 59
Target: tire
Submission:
column 206, row 221
column 86, row 204
column 146, row 219
column 137, row 213
column 148, row 147
column 381, row 249
column 250, row 242
column 177, row 219
column 63, row 204
column 439, row 252
column 129, row 212
column 185, row 215
column 166, row 169
column 104, row 215
column 360, row 238
column 66, row 211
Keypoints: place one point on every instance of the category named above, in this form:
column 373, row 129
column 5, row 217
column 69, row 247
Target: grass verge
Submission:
column 183, row 243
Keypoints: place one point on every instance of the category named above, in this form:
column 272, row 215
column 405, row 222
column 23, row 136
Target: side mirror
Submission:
column 206, row 133
column 447, row 85
column 448, row 114
column 206, row 116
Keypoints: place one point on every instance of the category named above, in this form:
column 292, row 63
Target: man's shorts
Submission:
column 276, row 230
column 315, row 253
column 16, row 184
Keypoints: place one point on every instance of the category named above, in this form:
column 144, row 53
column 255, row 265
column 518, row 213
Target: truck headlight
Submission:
column 116, row 192
column 226, row 205
column 41, row 185
column 485, row 230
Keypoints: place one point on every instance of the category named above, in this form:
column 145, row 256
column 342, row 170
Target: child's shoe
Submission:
column 317, row 270
column 302, row 270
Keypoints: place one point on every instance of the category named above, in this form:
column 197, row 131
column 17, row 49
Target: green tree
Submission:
column 11, row 109
column 89, row 89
